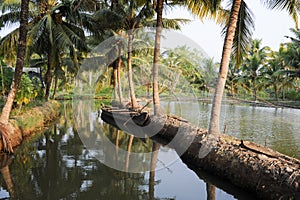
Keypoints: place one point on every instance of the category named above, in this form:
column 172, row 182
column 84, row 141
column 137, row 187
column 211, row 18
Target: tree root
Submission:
column 4, row 134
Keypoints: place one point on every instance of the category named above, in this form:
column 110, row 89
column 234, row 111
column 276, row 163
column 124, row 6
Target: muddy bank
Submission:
column 264, row 172
column 31, row 121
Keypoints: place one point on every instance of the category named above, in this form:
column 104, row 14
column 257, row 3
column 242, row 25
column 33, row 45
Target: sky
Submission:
column 270, row 25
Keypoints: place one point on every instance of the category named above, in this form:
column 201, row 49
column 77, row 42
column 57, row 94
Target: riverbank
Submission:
column 31, row 121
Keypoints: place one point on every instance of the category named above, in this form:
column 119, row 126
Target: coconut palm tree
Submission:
column 17, row 75
column 52, row 32
column 156, row 101
column 254, row 60
column 235, row 14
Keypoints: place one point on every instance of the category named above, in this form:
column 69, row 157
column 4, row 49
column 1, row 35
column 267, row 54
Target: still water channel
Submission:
column 57, row 165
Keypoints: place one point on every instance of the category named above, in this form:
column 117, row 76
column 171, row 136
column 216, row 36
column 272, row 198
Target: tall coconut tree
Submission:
column 52, row 32
column 17, row 75
column 254, row 60
column 228, row 42
column 235, row 14
column 156, row 101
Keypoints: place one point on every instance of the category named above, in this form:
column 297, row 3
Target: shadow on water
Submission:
column 56, row 165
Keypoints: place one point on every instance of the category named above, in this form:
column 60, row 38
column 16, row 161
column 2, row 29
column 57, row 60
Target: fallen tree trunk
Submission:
column 255, row 168
column 30, row 122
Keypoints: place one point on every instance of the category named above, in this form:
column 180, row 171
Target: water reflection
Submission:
column 56, row 164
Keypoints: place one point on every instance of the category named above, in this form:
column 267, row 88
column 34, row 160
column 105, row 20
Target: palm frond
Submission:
column 168, row 23
column 292, row 6
column 204, row 9
column 243, row 34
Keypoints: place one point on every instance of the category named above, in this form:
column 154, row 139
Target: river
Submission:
column 57, row 164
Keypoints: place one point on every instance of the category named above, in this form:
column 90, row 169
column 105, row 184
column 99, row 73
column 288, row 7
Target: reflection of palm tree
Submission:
column 211, row 191
column 4, row 169
column 154, row 155
column 128, row 152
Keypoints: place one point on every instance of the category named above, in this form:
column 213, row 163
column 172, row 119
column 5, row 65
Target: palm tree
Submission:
column 253, row 62
column 235, row 14
column 156, row 101
column 52, row 32
column 228, row 42
column 17, row 75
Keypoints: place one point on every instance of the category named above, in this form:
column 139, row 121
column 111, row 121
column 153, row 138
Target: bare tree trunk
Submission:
column 217, row 101
column 156, row 101
column 19, row 64
column 131, row 86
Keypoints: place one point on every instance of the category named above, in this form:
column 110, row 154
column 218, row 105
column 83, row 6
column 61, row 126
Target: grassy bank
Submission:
column 30, row 121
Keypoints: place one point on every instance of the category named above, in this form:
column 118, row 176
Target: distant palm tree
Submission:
column 254, row 60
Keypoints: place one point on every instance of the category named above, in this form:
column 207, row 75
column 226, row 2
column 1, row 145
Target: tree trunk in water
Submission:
column 217, row 101
column 48, row 75
column 128, row 152
column 154, row 155
column 211, row 191
column 130, row 80
column 7, row 178
column 117, row 140
column 156, row 101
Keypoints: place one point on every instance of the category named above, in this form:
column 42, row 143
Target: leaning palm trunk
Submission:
column 154, row 155
column 156, row 101
column 131, row 86
column 17, row 75
column 217, row 101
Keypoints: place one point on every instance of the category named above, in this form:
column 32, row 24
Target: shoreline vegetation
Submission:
column 250, row 166
column 31, row 121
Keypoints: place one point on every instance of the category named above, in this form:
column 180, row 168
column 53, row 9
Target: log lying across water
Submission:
column 266, row 173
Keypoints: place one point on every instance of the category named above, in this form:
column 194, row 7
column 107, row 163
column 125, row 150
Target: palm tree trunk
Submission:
column 131, row 86
column 115, row 71
column 2, row 80
column 19, row 64
column 119, row 80
column 217, row 101
column 156, row 101
column 48, row 75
